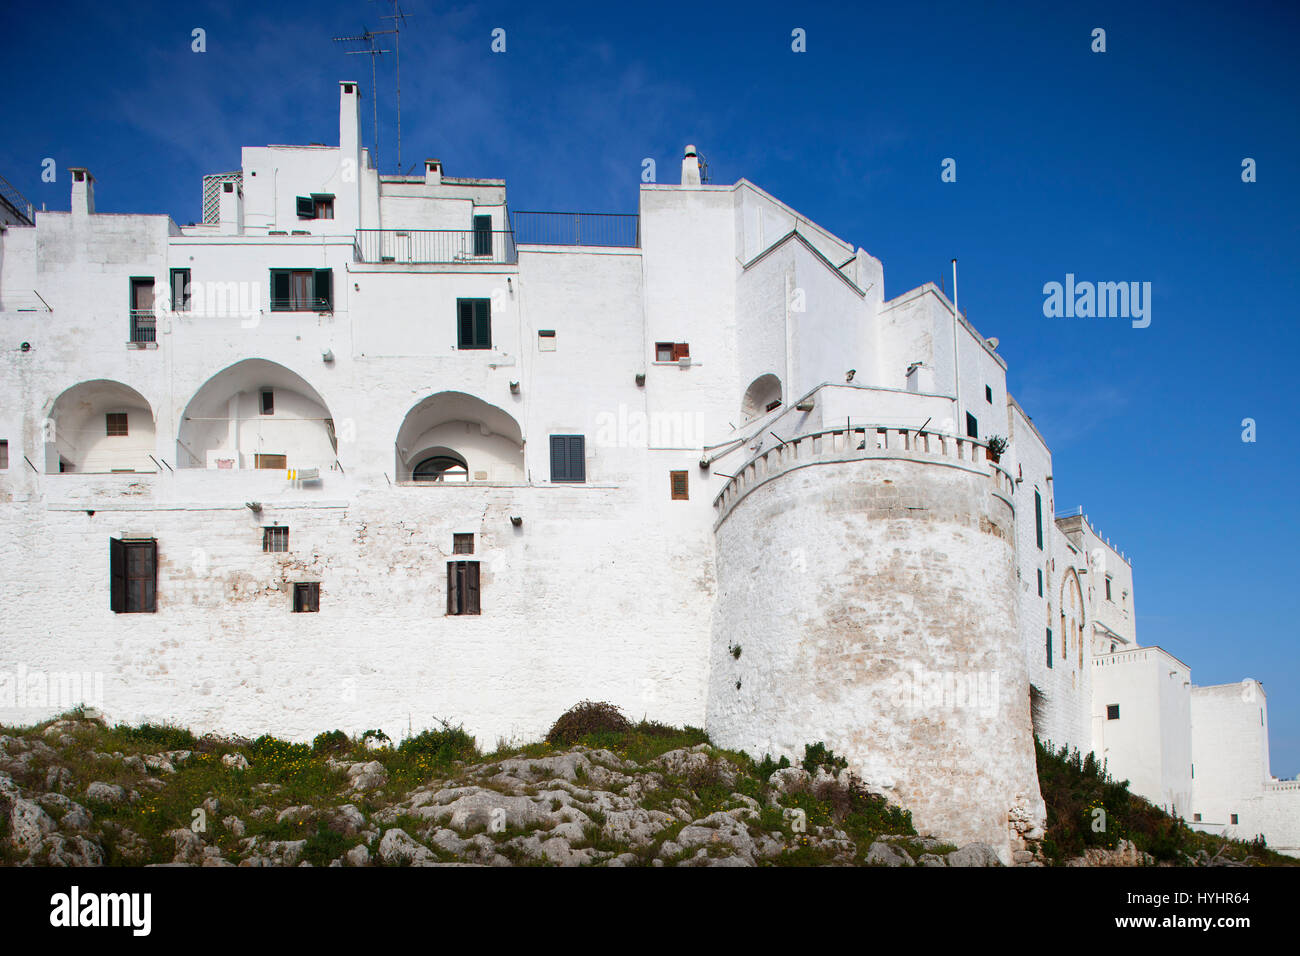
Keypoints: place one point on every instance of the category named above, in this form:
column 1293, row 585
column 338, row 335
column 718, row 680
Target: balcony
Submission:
column 144, row 326
column 621, row 230
column 436, row 246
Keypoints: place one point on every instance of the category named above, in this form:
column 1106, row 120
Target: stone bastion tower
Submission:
column 867, row 597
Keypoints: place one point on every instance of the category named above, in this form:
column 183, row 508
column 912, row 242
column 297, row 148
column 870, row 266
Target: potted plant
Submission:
column 997, row 446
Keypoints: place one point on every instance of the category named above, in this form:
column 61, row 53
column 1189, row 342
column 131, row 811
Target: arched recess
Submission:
column 100, row 427
column 484, row 440
column 256, row 414
column 1071, row 622
column 763, row 394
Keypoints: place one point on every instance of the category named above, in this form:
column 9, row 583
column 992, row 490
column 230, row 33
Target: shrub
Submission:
column 163, row 736
column 324, row 846
column 818, row 755
column 331, row 742
column 587, row 717
column 441, row 747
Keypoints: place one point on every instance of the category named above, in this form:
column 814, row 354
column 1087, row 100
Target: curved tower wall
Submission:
column 872, row 596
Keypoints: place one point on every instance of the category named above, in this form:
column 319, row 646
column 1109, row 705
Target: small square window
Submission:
column 663, row 351
column 546, row 340
column 1234, row 818
column 115, row 424
column 462, row 544
column 268, row 402
column 679, row 482
column 771, row 406
column 4, row 454
column 1112, row 711
column 474, row 323
column 1196, row 818
column 275, row 538
column 306, row 597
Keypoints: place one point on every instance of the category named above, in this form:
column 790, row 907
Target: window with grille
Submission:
column 1112, row 711
column 302, row 290
column 133, row 575
column 462, row 587
column 671, row 351
column 275, row 538
column 462, row 544
column 115, row 424
column 679, row 483
column 306, row 597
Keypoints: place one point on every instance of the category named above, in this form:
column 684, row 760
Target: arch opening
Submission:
column 762, row 396
column 453, row 437
column 100, row 427
column 256, row 414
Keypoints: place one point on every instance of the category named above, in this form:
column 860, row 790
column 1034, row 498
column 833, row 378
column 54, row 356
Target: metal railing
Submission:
column 446, row 246
column 144, row 325
column 311, row 303
column 578, row 229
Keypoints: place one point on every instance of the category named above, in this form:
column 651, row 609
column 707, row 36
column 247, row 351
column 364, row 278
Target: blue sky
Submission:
column 1118, row 166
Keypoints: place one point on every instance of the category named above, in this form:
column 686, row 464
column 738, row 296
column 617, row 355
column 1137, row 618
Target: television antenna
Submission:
column 366, row 45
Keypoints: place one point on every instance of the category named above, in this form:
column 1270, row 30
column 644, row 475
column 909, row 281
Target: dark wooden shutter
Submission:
column 681, row 350
column 323, row 290
column 471, row 587
column 306, row 207
column 465, row 317
column 972, row 426
column 451, row 587
column 117, row 575
column 482, row 235
column 280, row 293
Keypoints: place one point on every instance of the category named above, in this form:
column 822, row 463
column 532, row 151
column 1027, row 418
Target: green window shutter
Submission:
column 1038, row 518
column 1049, row 647
column 465, row 323
column 280, row 293
column 323, row 290
column 306, row 207
column 577, row 458
column 483, row 323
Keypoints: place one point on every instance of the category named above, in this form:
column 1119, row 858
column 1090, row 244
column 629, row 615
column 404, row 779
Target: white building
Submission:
column 365, row 451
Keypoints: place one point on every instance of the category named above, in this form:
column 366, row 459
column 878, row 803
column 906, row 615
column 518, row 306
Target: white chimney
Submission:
column 920, row 378
column 691, row 167
column 347, row 206
column 231, row 209
column 83, row 191
column 433, row 172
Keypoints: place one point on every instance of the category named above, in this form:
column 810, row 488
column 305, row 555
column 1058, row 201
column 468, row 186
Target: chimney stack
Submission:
column 83, row 191
column 433, row 172
column 691, row 167
column 347, row 206
column 231, row 209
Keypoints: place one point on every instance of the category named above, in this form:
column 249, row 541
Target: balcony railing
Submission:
column 144, row 326
column 578, row 229
column 445, row 246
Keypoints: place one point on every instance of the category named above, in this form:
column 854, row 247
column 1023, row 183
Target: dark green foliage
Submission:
column 587, row 717
column 331, row 742
column 817, row 755
column 162, row 736
column 440, row 748
column 324, row 846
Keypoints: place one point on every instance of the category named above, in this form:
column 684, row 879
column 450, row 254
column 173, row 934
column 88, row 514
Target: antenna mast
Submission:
column 368, row 48
column 398, row 18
